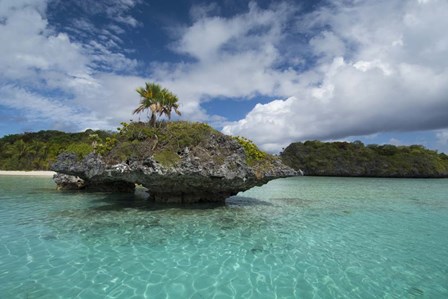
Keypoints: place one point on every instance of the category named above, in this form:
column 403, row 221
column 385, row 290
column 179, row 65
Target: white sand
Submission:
column 30, row 173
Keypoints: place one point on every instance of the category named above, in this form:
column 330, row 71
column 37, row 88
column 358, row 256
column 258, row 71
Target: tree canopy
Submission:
column 158, row 101
column 31, row 151
column 356, row 159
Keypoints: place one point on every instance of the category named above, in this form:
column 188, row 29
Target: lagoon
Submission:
column 305, row 237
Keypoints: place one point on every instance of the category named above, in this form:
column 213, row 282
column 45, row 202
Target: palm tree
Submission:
column 21, row 152
column 160, row 101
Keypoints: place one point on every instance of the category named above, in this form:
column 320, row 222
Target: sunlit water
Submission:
column 292, row 238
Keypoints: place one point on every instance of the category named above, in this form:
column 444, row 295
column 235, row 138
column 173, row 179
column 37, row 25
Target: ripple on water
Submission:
column 294, row 238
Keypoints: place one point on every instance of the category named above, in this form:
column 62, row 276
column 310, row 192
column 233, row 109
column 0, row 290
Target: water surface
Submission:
column 302, row 237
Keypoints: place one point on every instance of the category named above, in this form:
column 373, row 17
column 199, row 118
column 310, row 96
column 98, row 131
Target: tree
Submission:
column 21, row 152
column 160, row 101
column 95, row 139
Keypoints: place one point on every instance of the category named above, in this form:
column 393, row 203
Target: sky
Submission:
column 275, row 72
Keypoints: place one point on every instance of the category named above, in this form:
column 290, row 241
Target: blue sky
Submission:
column 272, row 71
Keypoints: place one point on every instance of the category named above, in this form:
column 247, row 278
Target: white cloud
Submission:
column 442, row 140
column 102, row 43
column 115, row 10
column 395, row 141
column 442, row 137
column 327, row 43
column 39, row 108
column 38, row 51
column 112, row 97
column 233, row 57
column 48, row 77
column 6, row 6
column 198, row 12
column 393, row 78
column 347, row 69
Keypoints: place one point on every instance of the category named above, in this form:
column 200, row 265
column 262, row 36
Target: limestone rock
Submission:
column 68, row 182
column 210, row 171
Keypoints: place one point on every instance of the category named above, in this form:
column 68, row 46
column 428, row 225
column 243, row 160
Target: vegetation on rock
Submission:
column 165, row 141
column 356, row 159
column 180, row 162
column 253, row 153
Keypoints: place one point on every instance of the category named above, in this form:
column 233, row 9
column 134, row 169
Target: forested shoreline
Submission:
column 316, row 158
column 38, row 150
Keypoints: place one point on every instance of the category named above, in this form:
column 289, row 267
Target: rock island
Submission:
column 178, row 162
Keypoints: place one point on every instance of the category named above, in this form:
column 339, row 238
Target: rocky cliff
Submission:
column 180, row 162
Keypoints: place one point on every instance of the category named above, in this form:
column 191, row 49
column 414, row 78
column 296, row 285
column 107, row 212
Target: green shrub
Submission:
column 105, row 148
column 80, row 149
column 253, row 153
column 167, row 158
column 174, row 135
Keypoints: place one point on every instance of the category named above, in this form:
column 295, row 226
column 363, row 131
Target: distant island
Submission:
column 316, row 158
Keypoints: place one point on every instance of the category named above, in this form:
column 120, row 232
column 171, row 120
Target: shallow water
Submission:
column 302, row 237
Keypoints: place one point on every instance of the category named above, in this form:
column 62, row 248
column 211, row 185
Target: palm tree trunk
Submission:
column 152, row 121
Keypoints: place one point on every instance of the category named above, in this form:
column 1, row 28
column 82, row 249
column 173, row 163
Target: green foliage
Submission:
column 105, row 148
column 173, row 135
column 80, row 149
column 39, row 150
column 166, row 142
column 253, row 153
column 355, row 159
column 138, row 140
column 178, row 135
column 135, row 131
column 157, row 100
column 167, row 158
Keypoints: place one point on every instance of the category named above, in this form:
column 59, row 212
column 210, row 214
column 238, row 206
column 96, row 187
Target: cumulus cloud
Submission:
column 49, row 77
column 348, row 68
column 112, row 97
column 39, row 108
column 379, row 66
column 228, row 57
column 37, row 50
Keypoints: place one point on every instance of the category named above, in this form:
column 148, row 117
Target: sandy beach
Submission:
column 28, row 173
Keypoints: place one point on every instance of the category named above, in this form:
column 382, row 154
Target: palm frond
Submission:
column 160, row 101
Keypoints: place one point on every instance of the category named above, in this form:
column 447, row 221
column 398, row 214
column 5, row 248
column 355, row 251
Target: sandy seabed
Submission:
column 28, row 173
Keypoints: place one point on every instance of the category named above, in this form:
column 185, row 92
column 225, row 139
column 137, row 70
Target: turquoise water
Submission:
column 302, row 237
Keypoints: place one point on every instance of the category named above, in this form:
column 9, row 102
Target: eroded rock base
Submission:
column 69, row 182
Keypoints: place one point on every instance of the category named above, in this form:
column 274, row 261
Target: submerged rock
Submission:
column 210, row 170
